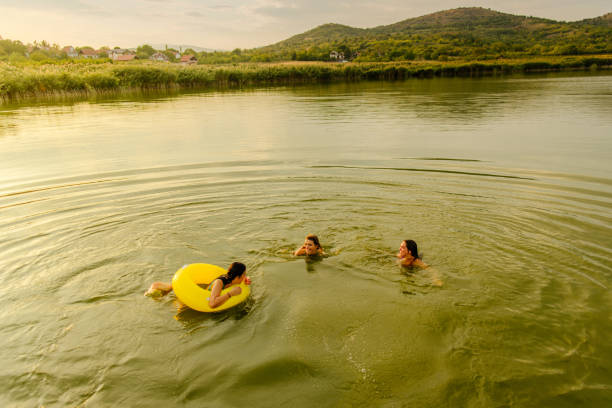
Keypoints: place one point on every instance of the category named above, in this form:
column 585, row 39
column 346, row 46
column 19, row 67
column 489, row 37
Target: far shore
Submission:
column 19, row 82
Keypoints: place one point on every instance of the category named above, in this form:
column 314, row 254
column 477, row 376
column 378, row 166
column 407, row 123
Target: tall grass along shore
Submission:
column 28, row 80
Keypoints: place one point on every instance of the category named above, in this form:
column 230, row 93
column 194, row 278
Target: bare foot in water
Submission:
column 158, row 289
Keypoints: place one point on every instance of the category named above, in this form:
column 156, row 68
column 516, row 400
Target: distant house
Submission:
column 114, row 54
column 89, row 53
column 70, row 51
column 189, row 59
column 335, row 55
column 124, row 57
column 158, row 56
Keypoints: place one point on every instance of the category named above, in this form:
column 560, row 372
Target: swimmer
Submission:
column 409, row 256
column 235, row 275
column 311, row 247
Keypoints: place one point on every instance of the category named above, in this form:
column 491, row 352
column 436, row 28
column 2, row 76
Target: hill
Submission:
column 462, row 33
column 605, row 21
column 465, row 18
column 323, row 33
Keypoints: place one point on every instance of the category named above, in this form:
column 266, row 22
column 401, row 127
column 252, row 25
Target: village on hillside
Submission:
column 124, row 54
column 43, row 50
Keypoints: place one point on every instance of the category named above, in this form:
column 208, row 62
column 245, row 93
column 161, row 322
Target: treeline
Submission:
column 475, row 44
column 15, row 52
column 48, row 80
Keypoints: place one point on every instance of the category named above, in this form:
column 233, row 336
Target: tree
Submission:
column 16, row 58
column 171, row 54
column 145, row 50
column 38, row 55
column 10, row 47
column 344, row 49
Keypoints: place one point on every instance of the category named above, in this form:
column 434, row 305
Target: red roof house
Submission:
column 124, row 57
column 189, row 59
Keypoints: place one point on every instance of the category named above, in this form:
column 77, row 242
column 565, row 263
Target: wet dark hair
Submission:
column 313, row 238
column 235, row 270
column 412, row 247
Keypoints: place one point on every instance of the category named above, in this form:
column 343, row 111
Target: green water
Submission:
column 506, row 185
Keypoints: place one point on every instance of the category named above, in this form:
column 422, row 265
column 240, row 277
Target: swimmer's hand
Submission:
column 247, row 281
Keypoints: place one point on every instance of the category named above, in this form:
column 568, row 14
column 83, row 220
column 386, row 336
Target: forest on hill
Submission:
column 459, row 34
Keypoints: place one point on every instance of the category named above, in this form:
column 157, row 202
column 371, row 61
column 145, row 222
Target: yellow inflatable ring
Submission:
column 185, row 285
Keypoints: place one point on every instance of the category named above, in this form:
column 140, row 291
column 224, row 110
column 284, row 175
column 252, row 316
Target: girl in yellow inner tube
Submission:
column 235, row 275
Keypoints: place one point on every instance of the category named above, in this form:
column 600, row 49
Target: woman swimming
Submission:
column 409, row 254
column 235, row 275
column 311, row 247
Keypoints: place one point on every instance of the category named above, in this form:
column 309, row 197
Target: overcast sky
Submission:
column 228, row 24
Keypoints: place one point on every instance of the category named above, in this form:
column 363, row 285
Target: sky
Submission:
column 229, row 24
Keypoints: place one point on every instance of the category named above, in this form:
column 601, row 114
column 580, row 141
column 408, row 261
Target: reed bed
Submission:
column 23, row 81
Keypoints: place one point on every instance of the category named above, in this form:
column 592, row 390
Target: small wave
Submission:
column 56, row 187
column 275, row 371
column 468, row 173
column 439, row 159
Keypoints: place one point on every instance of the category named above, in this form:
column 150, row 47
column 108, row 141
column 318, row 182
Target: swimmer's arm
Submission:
column 405, row 262
column 435, row 276
column 418, row 262
column 300, row 251
column 216, row 299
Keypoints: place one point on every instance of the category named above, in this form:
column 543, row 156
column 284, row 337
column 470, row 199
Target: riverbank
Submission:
column 35, row 81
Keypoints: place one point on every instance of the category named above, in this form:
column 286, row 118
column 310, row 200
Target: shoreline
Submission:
column 51, row 82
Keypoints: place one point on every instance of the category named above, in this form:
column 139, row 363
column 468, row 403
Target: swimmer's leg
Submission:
column 158, row 289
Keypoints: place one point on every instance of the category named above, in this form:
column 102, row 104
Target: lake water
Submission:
column 505, row 184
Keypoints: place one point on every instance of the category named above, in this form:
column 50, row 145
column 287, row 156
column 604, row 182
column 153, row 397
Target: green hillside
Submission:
column 471, row 33
column 323, row 33
column 462, row 19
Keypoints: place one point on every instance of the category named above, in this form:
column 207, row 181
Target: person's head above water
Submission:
column 236, row 272
column 408, row 248
column 310, row 247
